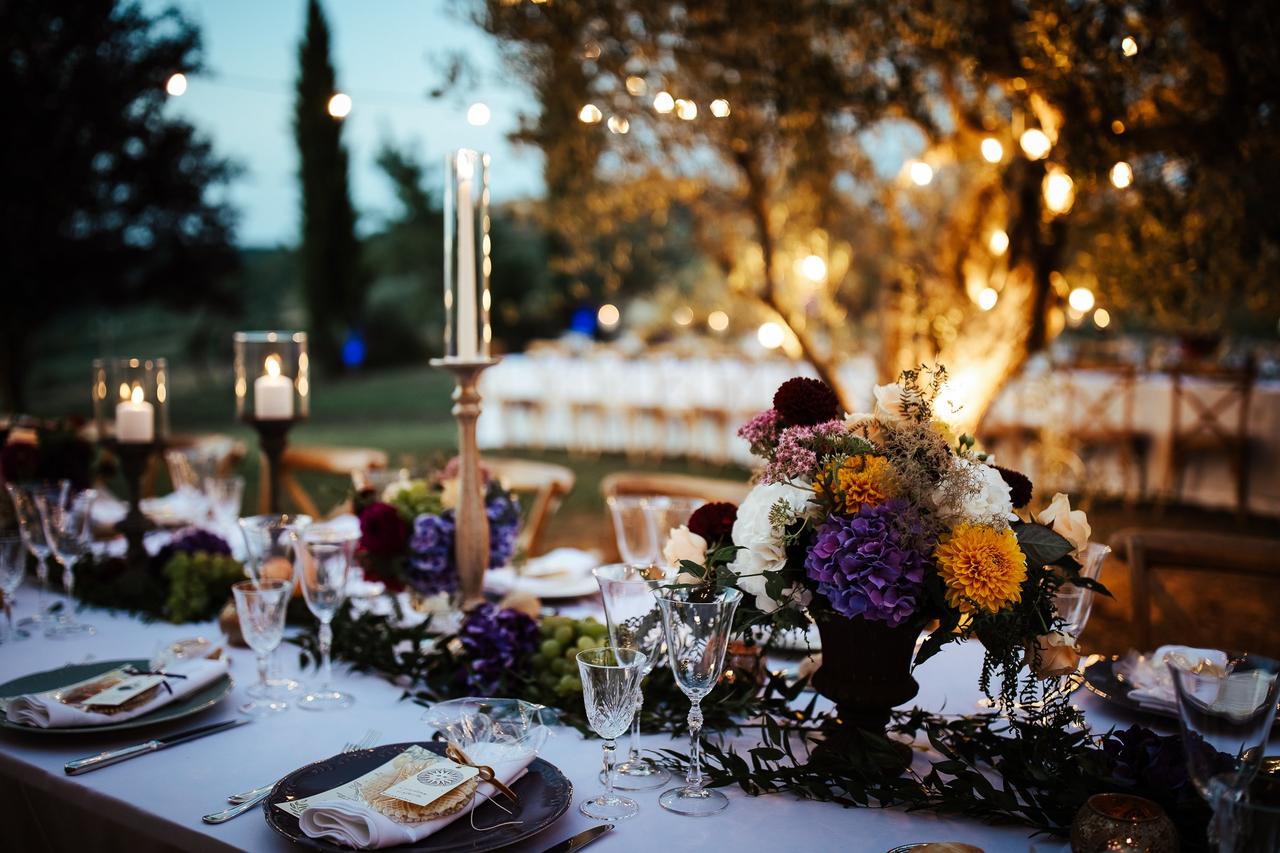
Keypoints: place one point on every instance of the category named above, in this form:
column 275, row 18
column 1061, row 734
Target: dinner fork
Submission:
column 248, row 799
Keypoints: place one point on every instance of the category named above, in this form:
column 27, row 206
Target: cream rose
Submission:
column 762, row 548
column 684, row 544
column 1058, row 655
column 1070, row 524
column 889, row 402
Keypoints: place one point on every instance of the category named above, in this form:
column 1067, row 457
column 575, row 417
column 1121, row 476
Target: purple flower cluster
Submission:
column 503, row 510
column 799, row 449
column 496, row 642
column 866, row 564
column 430, row 568
column 1146, row 761
column 193, row 540
column 761, row 432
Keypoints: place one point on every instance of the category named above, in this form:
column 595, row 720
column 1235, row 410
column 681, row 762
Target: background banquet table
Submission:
column 154, row 803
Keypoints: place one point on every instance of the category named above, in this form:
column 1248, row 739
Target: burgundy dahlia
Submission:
column 383, row 533
column 714, row 521
column 1019, row 486
column 806, row 402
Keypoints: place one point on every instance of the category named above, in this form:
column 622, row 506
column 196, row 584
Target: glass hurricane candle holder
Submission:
column 273, row 376
column 130, row 400
column 466, row 256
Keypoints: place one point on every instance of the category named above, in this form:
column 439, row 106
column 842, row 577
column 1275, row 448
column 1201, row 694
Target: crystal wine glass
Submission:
column 25, row 498
column 224, row 496
column 635, row 622
column 269, row 549
column 13, row 565
column 667, row 513
column 610, row 684
column 633, row 529
column 68, row 530
column 697, row 623
column 1226, row 716
column 261, row 607
column 323, row 566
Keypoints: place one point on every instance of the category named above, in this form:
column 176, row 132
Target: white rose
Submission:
column 393, row 490
column 684, row 544
column 991, row 499
column 1070, row 524
column 889, row 402
column 762, row 548
column 1058, row 655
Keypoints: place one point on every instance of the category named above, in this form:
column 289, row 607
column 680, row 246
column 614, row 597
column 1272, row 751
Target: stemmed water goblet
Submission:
column 697, row 623
column 269, row 551
column 610, row 684
column 323, row 569
column 13, row 565
column 635, row 622
column 1226, row 715
column 68, row 528
column 224, row 496
column 261, row 607
column 25, row 497
column 666, row 513
column 633, row 529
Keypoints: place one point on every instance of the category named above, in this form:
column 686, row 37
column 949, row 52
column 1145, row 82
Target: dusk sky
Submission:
column 387, row 55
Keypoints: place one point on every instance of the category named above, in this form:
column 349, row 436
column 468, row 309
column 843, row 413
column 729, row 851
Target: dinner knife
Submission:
column 582, row 839
column 115, row 756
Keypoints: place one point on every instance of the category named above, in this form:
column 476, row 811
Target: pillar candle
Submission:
column 135, row 419
column 272, row 393
column 466, row 280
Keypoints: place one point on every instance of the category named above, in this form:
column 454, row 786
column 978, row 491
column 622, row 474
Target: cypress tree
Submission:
column 332, row 281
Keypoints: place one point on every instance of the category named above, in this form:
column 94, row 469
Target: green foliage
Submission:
column 417, row 498
column 108, row 197
column 199, row 585
column 333, row 281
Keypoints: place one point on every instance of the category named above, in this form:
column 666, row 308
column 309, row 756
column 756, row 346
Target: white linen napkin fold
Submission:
column 355, row 824
column 44, row 709
column 1152, row 682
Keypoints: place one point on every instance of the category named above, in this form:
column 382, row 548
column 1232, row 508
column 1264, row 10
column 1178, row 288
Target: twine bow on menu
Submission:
column 456, row 754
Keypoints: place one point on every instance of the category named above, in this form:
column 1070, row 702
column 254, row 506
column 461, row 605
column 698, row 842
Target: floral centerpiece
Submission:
column 407, row 532
column 878, row 526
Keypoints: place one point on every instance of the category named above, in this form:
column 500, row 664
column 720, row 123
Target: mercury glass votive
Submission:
column 1122, row 823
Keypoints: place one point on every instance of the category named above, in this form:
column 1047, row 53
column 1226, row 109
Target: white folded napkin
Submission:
column 354, row 824
column 1149, row 674
column 44, row 709
column 561, row 562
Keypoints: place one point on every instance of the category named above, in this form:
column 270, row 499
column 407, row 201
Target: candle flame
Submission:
column 272, row 365
column 136, row 394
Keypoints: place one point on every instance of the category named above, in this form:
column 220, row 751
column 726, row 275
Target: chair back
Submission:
column 542, row 485
column 1211, row 406
column 674, row 485
column 334, row 461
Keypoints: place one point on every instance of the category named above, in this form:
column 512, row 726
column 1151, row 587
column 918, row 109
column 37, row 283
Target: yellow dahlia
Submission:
column 983, row 567
column 855, row 482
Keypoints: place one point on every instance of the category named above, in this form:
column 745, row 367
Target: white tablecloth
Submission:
column 155, row 802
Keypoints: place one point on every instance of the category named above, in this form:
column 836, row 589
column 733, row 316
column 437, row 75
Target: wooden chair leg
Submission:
column 1141, row 596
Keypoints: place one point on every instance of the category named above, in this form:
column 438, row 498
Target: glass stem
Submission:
column 69, row 579
column 326, row 662
column 264, row 662
column 633, row 754
column 42, row 575
column 694, row 778
column 608, row 751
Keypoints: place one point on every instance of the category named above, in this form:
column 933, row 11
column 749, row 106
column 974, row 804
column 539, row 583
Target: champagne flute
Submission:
column 67, row 529
column 323, row 567
column 261, row 607
column 635, row 622
column 269, row 550
column 31, row 528
column 610, row 687
column 697, row 624
column 13, row 565
column 633, row 529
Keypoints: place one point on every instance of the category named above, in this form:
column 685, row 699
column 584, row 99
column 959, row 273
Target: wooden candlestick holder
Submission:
column 273, row 438
column 471, row 540
column 134, row 458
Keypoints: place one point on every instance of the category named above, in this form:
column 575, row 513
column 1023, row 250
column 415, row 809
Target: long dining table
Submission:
column 155, row 802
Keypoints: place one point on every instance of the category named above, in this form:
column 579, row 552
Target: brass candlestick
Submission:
column 471, row 540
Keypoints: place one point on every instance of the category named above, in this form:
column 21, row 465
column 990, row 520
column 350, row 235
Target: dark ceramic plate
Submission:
column 1101, row 679
column 39, row 682
column 544, row 794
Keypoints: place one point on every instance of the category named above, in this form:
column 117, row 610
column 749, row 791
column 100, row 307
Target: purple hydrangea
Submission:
column 496, row 642
column 870, row 564
column 193, row 540
column 503, row 511
column 430, row 568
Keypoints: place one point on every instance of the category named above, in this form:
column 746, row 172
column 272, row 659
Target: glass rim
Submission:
column 638, row 658
column 261, row 519
column 270, row 336
column 724, row 595
column 626, row 500
column 600, row 573
column 258, row 585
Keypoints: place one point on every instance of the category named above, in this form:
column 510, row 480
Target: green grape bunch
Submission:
column 555, row 665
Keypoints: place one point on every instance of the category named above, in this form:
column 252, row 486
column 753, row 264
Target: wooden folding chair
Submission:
column 673, row 485
column 1100, row 418
column 1208, row 589
column 1211, row 416
column 545, row 484
column 338, row 461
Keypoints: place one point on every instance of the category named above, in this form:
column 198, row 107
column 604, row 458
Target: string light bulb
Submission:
column 590, row 114
column 720, row 108
column 636, row 86
column 663, row 103
column 1035, row 144
column 998, row 242
column 1081, row 300
column 812, row 267
column 992, row 150
column 618, row 125
column 608, row 315
column 340, row 105
column 920, row 173
column 987, row 298
column 1129, row 46
column 717, row 321
column 478, row 114
column 770, row 335
column 176, row 85
column 1102, row 318
column 1059, row 191
column 686, row 110
column 682, row 316
column 1121, row 175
